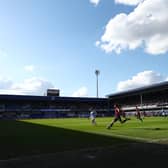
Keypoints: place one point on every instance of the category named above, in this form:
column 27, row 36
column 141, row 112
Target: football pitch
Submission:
column 22, row 138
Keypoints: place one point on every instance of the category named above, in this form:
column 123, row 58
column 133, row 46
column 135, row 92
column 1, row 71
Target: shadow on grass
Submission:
column 156, row 129
column 19, row 139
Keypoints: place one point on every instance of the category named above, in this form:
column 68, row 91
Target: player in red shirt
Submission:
column 117, row 116
column 138, row 114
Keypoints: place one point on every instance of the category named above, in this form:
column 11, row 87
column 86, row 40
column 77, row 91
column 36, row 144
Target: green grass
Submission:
column 153, row 128
column 40, row 136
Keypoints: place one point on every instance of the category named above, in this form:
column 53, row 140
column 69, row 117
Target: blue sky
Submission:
column 59, row 44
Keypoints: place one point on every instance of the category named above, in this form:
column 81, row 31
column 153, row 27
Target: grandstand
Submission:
column 22, row 106
column 150, row 99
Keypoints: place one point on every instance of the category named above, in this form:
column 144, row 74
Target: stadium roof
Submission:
column 142, row 90
column 50, row 98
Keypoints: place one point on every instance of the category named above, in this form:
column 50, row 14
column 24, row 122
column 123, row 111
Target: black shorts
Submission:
column 117, row 117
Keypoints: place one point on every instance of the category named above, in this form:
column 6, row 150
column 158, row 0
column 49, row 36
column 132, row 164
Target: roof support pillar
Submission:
column 141, row 101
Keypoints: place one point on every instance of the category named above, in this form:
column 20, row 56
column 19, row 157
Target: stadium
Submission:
column 151, row 99
column 55, row 131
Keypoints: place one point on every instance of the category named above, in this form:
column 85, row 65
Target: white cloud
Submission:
column 81, row 92
column 31, row 86
column 12, row 92
column 146, row 25
column 95, row 2
column 29, row 68
column 129, row 2
column 141, row 79
column 97, row 43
